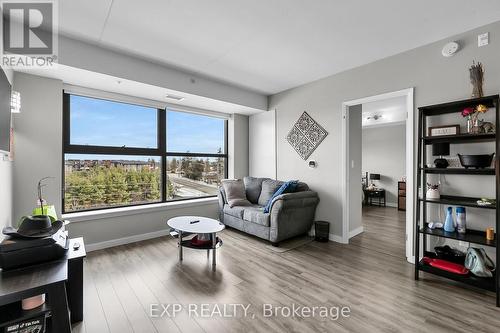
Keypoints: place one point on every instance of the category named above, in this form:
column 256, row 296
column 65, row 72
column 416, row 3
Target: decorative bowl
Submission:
column 476, row 161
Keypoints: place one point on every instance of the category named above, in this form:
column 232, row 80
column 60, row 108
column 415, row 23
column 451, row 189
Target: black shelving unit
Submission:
column 471, row 236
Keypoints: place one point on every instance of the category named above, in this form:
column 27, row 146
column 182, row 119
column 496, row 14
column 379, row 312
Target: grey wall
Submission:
column 435, row 78
column 6, row 181
column 384, row 152
column 238, row 146
column 355, row 158
column 38, row 153
column 262, row 144
column 37, row 142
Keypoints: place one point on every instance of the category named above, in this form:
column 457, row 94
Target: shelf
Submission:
column 187, row 243
column 13, row 313
column 460, row 171
column 458, row 106
column 457, row 201
column 460, row 138
column 471, row 236
column 478, row 282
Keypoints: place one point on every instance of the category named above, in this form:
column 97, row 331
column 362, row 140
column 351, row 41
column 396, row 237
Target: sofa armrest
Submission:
column 292, row 214
column 221, row 199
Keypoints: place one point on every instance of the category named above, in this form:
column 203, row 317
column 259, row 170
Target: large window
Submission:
column 118, row 154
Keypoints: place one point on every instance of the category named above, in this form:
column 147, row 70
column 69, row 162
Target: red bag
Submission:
column 446, row 265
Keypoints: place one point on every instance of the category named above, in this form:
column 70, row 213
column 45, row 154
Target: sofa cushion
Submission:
column 235, row 192
column 253, row 187
column 255, row 214
column 301, row 187
column 236, row 211
column 269, row 186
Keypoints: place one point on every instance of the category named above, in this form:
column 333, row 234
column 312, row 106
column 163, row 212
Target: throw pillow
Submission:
column 269, row 186
column 253, row 187
column 288, row 187
column 235, row 192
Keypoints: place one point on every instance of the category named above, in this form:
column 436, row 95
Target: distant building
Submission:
column 127, row 165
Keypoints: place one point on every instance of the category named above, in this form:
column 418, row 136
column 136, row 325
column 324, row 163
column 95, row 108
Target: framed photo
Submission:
column 444, row 130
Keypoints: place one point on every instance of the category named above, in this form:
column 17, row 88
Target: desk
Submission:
column 378, row 194
column 60, row 280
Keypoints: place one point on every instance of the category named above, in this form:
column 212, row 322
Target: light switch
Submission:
column 483, row 39
column 352, row 164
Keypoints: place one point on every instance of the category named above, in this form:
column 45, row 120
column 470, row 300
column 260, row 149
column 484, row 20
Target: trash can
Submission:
column 321, row 231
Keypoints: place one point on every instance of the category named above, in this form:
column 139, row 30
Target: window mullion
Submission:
column 162, row 147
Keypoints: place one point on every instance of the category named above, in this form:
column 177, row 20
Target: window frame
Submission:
column 160, row 151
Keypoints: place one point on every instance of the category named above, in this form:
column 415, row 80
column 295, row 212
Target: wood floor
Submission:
column 370, row 276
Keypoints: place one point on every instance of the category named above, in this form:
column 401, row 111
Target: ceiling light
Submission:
column 176, row 98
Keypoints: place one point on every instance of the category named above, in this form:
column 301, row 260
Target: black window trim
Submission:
column 160, row 151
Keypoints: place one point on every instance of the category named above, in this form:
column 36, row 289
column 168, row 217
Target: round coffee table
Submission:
column 184, row 226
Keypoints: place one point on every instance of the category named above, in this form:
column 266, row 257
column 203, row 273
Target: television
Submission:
column 5, row 96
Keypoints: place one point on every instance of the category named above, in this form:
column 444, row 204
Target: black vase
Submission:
column 441, row 163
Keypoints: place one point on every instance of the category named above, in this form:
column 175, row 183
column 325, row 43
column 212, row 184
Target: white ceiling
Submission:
column 391, row 111
column 269, row 46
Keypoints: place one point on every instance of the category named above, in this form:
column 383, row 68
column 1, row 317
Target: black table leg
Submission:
column 59, row 305
column 75, row 289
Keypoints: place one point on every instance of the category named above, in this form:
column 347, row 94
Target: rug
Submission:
column 291, row 244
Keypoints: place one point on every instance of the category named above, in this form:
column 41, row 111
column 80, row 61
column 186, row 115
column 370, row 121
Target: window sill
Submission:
column 134, row 210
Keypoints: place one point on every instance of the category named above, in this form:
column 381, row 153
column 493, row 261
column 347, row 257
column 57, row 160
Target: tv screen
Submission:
column 5, row 92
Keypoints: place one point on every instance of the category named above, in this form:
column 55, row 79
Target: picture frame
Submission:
column 444, row 130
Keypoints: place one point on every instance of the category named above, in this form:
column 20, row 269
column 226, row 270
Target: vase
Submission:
column 432, row 194
column 476, row 127
column 477, row 89
column 469, row 125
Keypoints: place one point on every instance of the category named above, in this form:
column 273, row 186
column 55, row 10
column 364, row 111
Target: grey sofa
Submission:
column 291, row 214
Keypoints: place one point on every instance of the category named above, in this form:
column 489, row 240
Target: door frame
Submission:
column 410, row 169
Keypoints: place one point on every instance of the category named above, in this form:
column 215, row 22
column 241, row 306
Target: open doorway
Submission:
column 378, row 169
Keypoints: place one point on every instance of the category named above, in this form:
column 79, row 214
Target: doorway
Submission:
column 356, row 180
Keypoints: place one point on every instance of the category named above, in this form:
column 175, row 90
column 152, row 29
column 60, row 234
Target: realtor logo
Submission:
column 29, row 38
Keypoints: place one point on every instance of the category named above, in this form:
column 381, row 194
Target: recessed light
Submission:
column 176, row 98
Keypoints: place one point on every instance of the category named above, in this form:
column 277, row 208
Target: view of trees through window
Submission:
column 93, row 182
column 104, row 167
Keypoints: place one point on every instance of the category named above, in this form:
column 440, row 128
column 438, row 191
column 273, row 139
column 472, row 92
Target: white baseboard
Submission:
column 336, row 238
column 125, row 240
column 355, row 232
column 392, row 204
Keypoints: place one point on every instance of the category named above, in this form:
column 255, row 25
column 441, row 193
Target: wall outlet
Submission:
column 483, row 39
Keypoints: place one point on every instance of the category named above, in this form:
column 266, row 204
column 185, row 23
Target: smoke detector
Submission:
column 450, row 49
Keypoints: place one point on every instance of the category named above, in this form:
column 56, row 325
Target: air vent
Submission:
column 175, row 98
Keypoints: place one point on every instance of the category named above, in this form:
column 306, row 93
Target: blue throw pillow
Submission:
column 287, row 187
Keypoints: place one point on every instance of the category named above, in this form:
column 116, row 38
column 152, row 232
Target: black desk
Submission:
column 61, row 281
column 378, row 194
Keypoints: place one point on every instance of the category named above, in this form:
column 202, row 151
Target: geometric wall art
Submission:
column 306, row 135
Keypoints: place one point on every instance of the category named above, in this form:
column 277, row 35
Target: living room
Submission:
column 145, row 133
